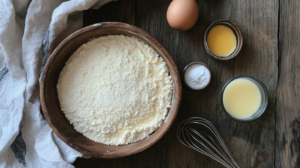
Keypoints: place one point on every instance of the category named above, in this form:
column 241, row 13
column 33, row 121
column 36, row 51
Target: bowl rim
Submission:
column 175, row 79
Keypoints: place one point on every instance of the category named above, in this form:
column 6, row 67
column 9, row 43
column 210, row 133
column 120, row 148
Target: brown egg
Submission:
column 182, row 14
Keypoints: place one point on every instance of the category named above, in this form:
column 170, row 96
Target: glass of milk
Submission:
column 244, row 98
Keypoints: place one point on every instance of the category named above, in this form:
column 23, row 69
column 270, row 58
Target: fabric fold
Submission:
column 29, row 29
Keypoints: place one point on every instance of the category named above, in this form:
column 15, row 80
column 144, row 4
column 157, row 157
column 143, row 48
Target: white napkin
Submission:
column 26, row 140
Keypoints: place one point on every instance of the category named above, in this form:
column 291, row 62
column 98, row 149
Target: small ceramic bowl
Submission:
column 237, row 33
column 264, row 98
column 189, row 65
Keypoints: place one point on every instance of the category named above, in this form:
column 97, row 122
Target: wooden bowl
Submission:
column 51, row 106
column 237, row 33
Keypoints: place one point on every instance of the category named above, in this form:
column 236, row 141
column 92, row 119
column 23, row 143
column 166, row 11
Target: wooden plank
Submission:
column 288, row 107
column 252, row 144
column 116, row 11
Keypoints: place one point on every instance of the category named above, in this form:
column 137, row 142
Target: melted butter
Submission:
column 221, row 41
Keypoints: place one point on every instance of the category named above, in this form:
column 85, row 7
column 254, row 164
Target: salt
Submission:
column 197, row 76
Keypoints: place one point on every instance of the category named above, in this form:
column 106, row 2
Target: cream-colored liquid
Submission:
column 221, row 41
column 241, row 98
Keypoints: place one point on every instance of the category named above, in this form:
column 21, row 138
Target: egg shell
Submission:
column 182, row 14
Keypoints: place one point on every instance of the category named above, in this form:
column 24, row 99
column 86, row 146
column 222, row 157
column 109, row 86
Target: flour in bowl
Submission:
column 115, row 90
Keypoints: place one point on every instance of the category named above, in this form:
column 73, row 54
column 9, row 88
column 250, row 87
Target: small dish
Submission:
column 189, row 65
column 264, row 98
column 237, row 33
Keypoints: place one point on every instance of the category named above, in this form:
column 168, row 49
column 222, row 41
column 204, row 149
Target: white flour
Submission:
column 115, row 90
column 197, row 76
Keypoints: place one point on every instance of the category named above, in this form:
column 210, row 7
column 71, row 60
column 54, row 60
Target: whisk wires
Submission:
column 209, row 144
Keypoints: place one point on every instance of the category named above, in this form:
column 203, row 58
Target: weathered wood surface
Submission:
column 288, row 107
column 269, row 28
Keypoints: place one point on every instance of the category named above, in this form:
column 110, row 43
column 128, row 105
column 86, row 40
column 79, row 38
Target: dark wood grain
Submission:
column 288, row 106
column 252, row 144
column 118, row 11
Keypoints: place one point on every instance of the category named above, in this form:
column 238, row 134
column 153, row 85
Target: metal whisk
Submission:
column 209, row 144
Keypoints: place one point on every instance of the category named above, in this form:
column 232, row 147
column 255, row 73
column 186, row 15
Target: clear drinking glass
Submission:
column 264, row 98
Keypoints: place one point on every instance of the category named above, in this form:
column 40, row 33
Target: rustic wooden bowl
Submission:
column 237, row 33
column 51, row 106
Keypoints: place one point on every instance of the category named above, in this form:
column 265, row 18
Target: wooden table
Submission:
column 271, row 31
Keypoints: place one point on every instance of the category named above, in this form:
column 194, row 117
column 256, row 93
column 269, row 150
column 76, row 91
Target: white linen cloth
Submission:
column 26, row 139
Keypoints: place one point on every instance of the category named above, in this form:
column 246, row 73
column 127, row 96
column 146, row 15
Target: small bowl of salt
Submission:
column 196, row 75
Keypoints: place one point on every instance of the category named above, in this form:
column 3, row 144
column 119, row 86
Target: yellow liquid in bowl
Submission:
column 241, row 98
column 221, row 41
